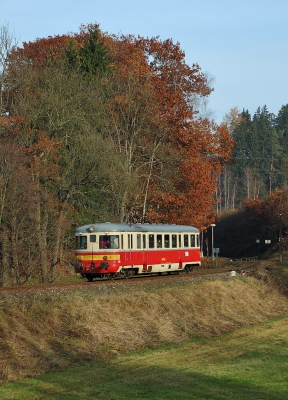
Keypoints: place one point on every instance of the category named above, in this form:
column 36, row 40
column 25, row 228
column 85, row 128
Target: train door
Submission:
column 175, row 248
column 144, row 251
column 129, row 257
column 180, row 250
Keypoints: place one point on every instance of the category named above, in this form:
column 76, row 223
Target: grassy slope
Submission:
column 45, row 334
column 250, row 363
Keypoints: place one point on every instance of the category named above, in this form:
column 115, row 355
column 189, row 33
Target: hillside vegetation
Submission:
column 45, row 333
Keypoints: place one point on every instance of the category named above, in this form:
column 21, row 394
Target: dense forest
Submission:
column 260, row 158
column 252, row 206
column 97, row 127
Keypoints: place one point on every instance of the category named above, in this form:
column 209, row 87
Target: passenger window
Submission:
column 174, row 241
column 151, row 242
column 138, row 241
column 186, row 243
column 129, row 241
column 192, row 240
column 159, row 241
column 144, row 241
column 167, row 241
column 179, row 240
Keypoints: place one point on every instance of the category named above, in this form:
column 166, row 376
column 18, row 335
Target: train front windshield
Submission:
column 109, row 242
column 81, row 242
column 105, row 241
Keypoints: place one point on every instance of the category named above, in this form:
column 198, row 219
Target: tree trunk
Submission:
column 14, row 254
column 57, row 244
column 41, row 227
column 122, row 207
column 4, row 259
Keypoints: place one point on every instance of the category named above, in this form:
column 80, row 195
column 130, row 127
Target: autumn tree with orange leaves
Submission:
column 179, row 154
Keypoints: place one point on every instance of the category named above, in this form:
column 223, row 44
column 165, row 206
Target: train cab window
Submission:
column 166, row 241
column 108, row 241
column 186, row 241
column 144, row 241
column 138, row 241
column 159, row 241
column 197, row 241
column 92, row 238
column 104, row 242
column 114, row 241
column 174, row 241
column 81, row 242
column 151, row 242
column 192, row 240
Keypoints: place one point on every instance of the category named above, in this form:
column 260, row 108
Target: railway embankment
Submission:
column 42, row 332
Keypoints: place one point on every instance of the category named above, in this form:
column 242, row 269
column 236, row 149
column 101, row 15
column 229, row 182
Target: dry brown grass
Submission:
column 47, row 333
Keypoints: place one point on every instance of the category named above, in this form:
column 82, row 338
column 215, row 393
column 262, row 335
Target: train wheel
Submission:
column 188, row 268
column 89, row 277
column 128, row 274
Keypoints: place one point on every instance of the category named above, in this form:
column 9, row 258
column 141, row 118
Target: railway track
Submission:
column 106, row 285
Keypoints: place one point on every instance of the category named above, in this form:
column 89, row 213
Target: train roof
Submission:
column 107, row 227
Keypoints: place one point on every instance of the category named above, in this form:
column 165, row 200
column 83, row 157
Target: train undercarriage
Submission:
column 126, row 273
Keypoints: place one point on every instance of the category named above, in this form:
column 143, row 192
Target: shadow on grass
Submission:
column 105, row 380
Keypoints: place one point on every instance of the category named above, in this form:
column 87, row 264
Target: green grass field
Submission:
column 250, row 363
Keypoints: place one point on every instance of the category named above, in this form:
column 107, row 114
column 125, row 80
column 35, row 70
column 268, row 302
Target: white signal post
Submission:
column 212, row 226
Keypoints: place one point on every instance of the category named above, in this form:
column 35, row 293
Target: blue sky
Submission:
column 242, row 45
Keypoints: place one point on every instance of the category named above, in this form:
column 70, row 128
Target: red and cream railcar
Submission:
column 111, row 249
